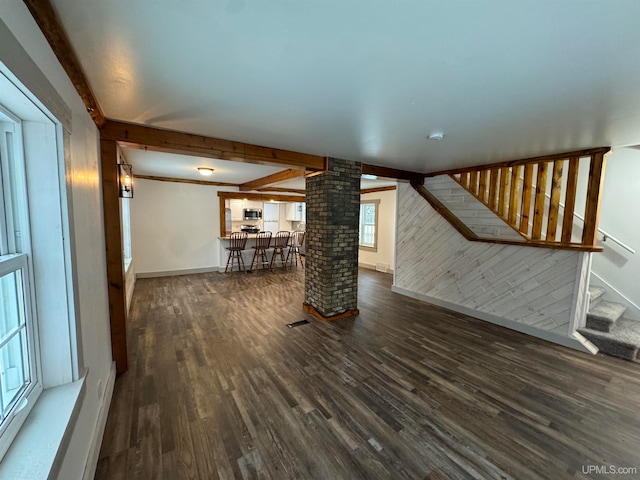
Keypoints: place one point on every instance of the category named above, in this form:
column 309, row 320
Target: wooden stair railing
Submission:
column 526, row 194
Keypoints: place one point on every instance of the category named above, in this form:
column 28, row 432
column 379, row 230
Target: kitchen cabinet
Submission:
column 237, row 207
column 271, row 215
column 295, row 212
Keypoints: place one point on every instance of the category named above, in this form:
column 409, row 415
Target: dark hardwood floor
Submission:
column 218, row 387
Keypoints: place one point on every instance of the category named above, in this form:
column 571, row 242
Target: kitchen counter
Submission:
column 247, row 254
column 249, row 236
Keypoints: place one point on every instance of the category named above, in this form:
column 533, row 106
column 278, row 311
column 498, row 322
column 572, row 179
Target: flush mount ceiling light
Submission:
column 206, row 171
column 436, row 136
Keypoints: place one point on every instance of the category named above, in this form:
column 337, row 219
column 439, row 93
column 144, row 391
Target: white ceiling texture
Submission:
column 369, row 80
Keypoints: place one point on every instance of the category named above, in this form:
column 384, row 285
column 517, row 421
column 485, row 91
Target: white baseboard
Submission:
column 171, row 273
column 370, row 266
column 101, row 422
column 576, row 342
column 613, row 295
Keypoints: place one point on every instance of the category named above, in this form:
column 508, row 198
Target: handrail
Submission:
column 605, row 235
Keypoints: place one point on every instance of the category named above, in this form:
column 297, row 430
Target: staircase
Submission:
column 608, row 330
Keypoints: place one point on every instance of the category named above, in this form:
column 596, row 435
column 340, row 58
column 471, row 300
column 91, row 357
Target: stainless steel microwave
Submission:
column 252, row 214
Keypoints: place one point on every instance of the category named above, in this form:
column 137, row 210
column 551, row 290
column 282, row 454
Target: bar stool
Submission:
column 237, row 243
column 295, row 242
column 263, row 241
column 281, row 242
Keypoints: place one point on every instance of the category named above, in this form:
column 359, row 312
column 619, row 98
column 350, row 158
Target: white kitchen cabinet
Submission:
column 237, row 207
column 295, row 212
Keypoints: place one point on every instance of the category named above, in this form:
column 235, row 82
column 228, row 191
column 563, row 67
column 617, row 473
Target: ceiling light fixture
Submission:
column 206, row 171
column 436, row 136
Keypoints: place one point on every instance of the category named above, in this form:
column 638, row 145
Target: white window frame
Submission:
column 362, row 224
column 125, row 209
column 46, row 237
column 15, row 255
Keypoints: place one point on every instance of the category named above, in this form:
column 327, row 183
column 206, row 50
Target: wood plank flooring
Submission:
column 218, row 387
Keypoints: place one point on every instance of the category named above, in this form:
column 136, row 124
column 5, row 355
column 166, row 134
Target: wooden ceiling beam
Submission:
column 545, row 158
column 270, row 179
column 47, row 19
column 261, row 197
column 377, row 189
column 387, row 172
column 158, row 139
column 283, row 190
column 184, row 180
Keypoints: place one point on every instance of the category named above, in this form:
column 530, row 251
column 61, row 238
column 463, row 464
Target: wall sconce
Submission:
column 125, row 180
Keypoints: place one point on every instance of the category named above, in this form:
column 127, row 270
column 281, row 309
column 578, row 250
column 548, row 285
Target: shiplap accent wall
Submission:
column 542, row 289
column 473, row 213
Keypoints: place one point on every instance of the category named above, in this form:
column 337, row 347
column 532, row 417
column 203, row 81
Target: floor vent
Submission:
column 382, row 267
column 297, row 324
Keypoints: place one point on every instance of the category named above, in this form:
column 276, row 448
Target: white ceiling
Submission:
column 368, row 80
column 158, row 164
column 184, row 166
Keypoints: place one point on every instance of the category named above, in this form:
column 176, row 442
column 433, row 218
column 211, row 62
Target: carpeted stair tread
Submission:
column 604, row 315
column 595, row 292
column 622, row 341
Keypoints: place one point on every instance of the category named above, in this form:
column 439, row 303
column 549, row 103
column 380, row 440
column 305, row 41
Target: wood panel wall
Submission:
column 533, row 286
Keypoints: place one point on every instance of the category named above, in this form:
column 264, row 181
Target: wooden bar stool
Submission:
column 281, row 242
column 295, row 242
column 263, row 241
column 237, row 243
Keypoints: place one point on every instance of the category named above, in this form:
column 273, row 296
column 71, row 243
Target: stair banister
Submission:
column 605, row 236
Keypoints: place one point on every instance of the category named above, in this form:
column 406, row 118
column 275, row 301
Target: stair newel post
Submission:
column 594, row 196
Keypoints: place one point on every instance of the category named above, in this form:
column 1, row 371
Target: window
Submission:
column 369, row 225
column 19, row 373
column 125, row 209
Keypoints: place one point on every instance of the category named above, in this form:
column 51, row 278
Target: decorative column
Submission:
column 331, row 268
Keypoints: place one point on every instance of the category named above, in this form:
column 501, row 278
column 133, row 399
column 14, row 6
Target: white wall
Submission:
column 619, row 217
column 175, row 227
column 83, row 183
column 386, row 231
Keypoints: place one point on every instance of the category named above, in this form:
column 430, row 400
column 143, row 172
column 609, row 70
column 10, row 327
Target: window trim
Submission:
column 376, row 203
column 17, row 255
column 40, row 145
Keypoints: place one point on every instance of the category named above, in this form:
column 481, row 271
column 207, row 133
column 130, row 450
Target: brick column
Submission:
column 331, row 268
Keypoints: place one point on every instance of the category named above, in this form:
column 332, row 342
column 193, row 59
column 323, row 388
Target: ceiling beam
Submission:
column 523, row 161
column 270, row 179
column 46, row 18
column 284, row 190
column 264, row 197
column 184, row 180
column 158, row 139
column 377, row 189
column 387, row 172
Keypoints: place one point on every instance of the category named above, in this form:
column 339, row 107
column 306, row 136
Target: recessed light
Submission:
column 206, row 171
column 436, row 136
